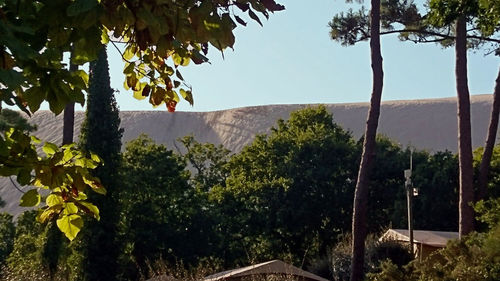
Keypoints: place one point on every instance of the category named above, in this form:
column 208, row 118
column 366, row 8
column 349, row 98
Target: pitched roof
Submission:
column 426, row 237
column 270, row 267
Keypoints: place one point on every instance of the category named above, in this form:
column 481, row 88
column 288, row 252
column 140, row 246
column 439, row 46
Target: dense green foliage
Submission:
column 433, row 24
column 287, row 195
column 494, row 171
column 7, row 232
column 475, row 257
column 209, row 163
column 339, row 259
column 156, row 204
column 279, row 196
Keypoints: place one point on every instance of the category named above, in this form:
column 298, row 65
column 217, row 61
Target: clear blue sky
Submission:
column 292, row 60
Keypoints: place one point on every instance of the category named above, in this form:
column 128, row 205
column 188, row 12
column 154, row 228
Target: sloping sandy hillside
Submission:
column 425, row 124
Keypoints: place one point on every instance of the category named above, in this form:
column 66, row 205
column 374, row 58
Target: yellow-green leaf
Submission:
column 92, row 208
column 53, row 200
column 187, row 95
column 94, row 157
column 95, row 185
column 50, row 148
column 70, row 208
column 70, row 225
column 129, row 53
column 44, row 215
column 30, row 199
column 104, row 36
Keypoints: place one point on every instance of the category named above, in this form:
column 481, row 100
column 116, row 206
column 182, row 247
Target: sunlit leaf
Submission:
column 69, row 208
column 129, row 53
column 70, row 225
column 47, row 213
column 53, row 200
column 187, row 95
column 95, row 157
column 92, row 208
column 50, row 148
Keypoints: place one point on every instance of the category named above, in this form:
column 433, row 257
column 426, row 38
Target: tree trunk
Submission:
column 69, row 114
column 69, row 123
column 490, row 143
column 466, row 192
column 359, row 224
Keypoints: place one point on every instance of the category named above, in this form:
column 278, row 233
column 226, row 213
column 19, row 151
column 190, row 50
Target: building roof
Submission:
column 426, row 237
column 270, row 267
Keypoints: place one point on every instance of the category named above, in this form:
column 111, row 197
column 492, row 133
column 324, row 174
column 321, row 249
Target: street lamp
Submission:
column 410, row 192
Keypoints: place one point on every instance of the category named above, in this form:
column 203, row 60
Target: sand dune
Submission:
column 425, row 124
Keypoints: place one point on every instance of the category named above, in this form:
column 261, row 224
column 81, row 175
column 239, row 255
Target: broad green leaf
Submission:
column 99, row 189
column 132, row 82
column 148, row 18
column 70, row 225
column 81, row 196
column 80, row 6
column 129, row 68
column 11, row 78
column 95, row 158
column 129, row 53
column 59, row 37
column 69, row 208
column 24, row 176
column 83, row 76
column 180, row 60
column 35, row 140
column 53, row 200
column 85, row 163
column 187, row 95
column 94, row 184
column 34, row 96
column 138, row 94
column 92, row 208
column 68, row 155
column 50, row 148
column 44, row 215
column 30, row 199
column 105, row 36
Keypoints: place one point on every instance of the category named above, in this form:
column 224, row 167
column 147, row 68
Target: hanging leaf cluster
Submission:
column 64, row 172
column 157, row 36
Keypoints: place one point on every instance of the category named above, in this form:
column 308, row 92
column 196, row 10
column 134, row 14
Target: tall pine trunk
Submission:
column 69, row 123
column 359, row 221
column 69, row 116
column 490, row 143
column 466, row 192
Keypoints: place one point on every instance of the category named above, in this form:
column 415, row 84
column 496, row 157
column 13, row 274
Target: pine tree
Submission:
column 101, row 134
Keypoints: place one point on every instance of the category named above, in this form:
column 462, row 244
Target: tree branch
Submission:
column 444, row 36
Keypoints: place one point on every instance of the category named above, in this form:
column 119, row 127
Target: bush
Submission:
column 376, row 252
column 475, row 257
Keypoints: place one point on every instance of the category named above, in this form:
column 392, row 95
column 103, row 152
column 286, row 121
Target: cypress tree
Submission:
column 101, row 134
